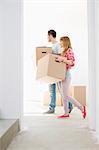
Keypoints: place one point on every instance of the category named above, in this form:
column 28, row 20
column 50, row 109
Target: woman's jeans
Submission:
column 64, row 87
column 52, row 90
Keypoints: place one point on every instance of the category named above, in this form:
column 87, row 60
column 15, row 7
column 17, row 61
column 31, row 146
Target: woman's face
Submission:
column 62, row 44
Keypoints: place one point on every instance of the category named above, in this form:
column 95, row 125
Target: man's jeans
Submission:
column 52, row 90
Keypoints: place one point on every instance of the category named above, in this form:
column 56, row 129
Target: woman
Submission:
column 67, row 56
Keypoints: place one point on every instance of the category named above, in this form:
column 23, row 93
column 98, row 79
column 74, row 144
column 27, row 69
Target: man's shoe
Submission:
column 50, row 111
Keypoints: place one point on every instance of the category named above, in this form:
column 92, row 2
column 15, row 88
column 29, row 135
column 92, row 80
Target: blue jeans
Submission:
column 70, row 106
column 52, row 90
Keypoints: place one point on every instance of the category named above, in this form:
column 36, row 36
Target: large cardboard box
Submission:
column 79, row 93
column 46, row 99
column 41, row 52
column 59, row 102
column 49, row 70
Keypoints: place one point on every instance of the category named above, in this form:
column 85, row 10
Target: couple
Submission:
column 66, row 56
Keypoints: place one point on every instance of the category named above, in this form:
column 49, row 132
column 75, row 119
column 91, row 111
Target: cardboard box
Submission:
column 79, row 93
column 49, row 70
column 59, row 102
column 46, row 99
column 41, row 52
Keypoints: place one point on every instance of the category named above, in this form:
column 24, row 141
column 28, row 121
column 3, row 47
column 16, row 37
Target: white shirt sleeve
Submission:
column 58, row 48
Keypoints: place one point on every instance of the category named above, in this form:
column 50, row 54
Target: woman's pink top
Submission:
column 70, row 56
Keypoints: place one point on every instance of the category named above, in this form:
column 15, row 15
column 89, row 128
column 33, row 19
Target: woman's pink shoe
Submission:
column 84, row 112
column 63, row 116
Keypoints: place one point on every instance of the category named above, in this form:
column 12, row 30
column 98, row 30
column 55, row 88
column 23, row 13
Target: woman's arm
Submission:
column 64, row 59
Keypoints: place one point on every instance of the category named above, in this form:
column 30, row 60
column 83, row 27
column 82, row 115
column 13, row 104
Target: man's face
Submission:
column 49, row 38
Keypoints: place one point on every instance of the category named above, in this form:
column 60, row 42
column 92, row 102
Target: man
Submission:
column 56, row 48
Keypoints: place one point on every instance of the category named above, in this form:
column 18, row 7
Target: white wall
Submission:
column 67, row 18
column 97, row 64
column 10, row 56
column 92, row 64
column 93, row 53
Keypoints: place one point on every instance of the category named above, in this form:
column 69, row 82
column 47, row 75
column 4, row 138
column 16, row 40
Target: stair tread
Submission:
column 5, row 124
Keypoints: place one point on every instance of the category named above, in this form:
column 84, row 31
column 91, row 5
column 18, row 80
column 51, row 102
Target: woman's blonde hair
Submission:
column 66, row 43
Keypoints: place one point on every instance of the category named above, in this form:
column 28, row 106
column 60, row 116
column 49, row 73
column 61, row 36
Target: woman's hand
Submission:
column 64, row 59
column 59, row 58
column 69, row 62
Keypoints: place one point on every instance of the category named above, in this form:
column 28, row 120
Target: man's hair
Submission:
column 52, row 32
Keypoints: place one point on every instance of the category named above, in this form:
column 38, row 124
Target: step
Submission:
column 8, row 129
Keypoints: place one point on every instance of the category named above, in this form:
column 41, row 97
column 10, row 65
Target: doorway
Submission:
column 67, row 18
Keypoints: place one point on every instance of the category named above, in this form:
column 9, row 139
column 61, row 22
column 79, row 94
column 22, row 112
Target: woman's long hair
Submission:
column 66, row 44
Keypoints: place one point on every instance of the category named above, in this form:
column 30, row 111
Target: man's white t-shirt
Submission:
column 56, row 48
